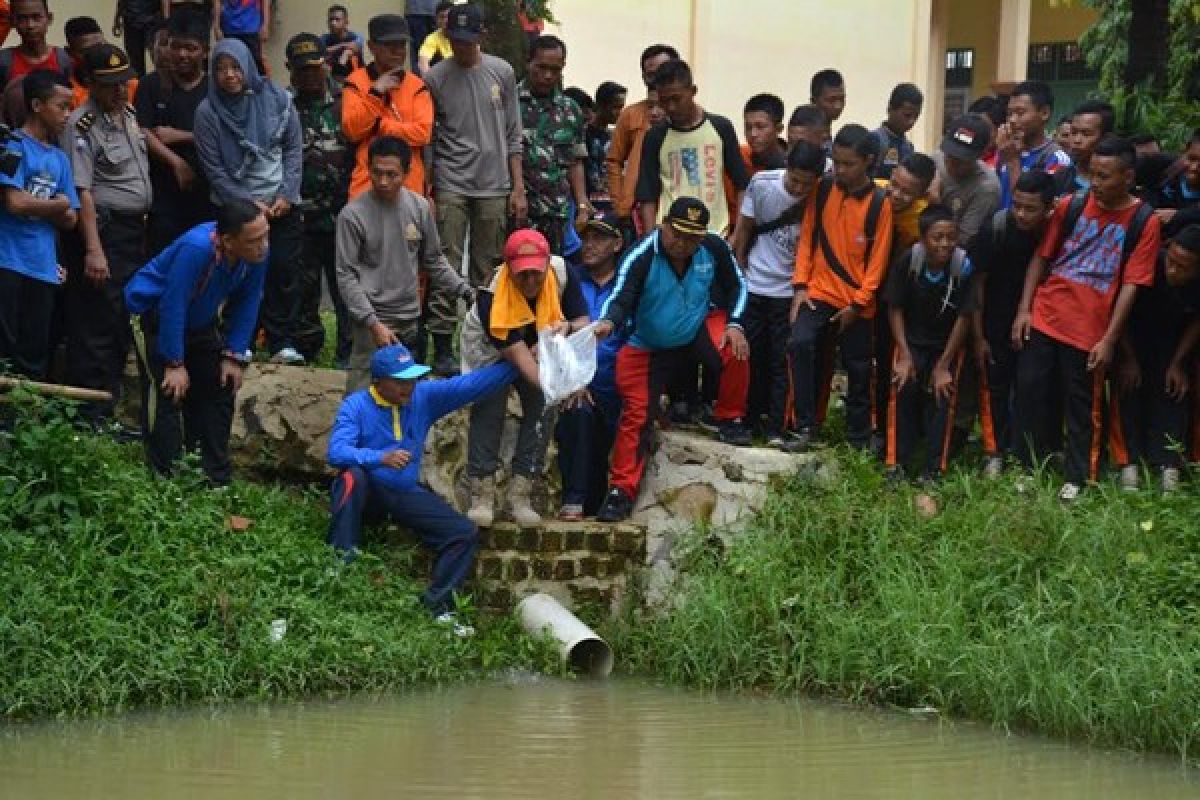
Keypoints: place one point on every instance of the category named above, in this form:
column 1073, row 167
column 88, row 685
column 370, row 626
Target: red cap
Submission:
column 527, row 249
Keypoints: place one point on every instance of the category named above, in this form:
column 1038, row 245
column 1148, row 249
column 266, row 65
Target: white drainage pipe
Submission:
column 581, row 648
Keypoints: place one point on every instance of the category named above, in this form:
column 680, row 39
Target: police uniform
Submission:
column 108, row 159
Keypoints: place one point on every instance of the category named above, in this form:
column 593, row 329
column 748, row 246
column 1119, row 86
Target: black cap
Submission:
column 304, row 50
column 386, row 28
column 688, row 215
column 605, row 222
column 967, row 137
column 107, row 63
column 465, row 23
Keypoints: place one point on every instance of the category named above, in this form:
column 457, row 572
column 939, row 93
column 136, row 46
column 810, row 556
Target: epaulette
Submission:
column 85, row 123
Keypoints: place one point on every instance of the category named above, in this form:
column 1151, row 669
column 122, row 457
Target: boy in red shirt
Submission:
column 1099, row 248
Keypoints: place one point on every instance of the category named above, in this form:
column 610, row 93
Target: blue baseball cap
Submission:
column 396, row 362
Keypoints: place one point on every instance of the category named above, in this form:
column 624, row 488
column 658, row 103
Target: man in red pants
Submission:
column 682, row 295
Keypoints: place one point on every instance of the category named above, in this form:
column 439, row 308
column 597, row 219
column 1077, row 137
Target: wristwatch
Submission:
column 237, row 358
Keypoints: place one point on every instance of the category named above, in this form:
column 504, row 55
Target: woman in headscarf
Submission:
column 250, row 144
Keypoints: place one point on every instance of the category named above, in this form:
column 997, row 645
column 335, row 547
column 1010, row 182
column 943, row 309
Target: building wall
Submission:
column 974, row 23
column 736, row 48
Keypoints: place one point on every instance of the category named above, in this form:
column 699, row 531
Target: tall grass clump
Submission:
column 1079, row 621
column 120, row 589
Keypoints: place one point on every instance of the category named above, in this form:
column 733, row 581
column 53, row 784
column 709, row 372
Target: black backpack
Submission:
column 870, row 226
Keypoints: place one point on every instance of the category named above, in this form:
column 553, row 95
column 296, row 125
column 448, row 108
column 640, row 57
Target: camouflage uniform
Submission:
column 323, row 187
column 553, row 138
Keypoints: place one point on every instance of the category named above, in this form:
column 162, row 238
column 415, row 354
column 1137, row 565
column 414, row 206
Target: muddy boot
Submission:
column 445, row 365
column 519, row 492
column 483, row 501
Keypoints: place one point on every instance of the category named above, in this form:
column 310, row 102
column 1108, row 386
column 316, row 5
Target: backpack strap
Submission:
column 824, row 187
column 916, row 260
column 6, row 61
column 790, row 216
column 1074, row 212
column 999, row 229
column 1133, row 233
column 871, row 224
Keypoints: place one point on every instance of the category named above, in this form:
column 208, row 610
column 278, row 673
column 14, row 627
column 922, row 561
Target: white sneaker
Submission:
column 461, row 630
column 1129, row 478
column 993, row 467
column 1069, row 492
column 290, row 356
column 1170, row 479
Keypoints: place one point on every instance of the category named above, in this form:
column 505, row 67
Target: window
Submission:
column 960, row 65
column 1058, row 61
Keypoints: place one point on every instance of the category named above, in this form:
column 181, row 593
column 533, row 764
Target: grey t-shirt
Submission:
column 380, row 248
column 973, row 201
column 109, row 158
column 772, row 259
column 478, row 126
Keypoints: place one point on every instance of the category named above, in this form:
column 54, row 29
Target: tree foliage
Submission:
column 1165, row 98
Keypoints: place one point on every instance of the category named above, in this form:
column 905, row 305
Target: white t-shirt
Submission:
column 772, row 258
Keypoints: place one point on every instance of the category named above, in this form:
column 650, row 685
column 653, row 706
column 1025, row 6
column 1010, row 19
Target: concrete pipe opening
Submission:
column 579, row 646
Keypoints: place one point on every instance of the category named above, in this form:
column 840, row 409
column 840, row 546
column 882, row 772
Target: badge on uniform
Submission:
column 411, row 233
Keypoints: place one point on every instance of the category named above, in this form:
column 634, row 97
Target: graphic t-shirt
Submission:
column 692, row 163
column 1074, row 305
column 772, row 259
column 1049, row 158
column 27, row 244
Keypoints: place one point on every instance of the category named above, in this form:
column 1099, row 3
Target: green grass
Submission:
column 1079, row 622
column 123, row 590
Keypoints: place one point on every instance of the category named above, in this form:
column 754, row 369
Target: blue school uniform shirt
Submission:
column 367, row 427
column 241, row 16
column 1049, row 158
column 187, row 285
column 28, row 244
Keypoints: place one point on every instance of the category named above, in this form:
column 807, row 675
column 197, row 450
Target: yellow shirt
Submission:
column 436, row 47
column 907, row 231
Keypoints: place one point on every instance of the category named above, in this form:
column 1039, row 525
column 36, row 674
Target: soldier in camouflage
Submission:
column 323, row 189
column 554, row 152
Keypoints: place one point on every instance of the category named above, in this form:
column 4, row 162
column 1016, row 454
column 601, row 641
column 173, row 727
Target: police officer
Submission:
column 112, row 175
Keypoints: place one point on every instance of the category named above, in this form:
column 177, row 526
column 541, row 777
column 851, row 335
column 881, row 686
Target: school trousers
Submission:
column 814, row 335
column 915, row 411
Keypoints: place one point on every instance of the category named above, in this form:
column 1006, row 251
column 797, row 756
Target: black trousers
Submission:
column 137, row 42
column 1148, row 426
column 767, row 329
column 1047, row 368
column 168, row 223
column 317, row 259
column 881, row 374
column 1001, row 384
column 254, row 45
column 279, row 315
column 203, row 420
column 96, row 322
column 26, row 312
column 915, row 411
column 810, row 336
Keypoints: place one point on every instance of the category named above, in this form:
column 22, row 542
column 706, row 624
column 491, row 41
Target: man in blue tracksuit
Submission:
column 377, row 443
column 194, row 307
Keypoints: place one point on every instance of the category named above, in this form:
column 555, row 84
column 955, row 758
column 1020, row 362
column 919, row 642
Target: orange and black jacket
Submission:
column 406, row 112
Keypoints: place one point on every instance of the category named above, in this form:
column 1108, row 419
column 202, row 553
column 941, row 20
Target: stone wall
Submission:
column 282, row 423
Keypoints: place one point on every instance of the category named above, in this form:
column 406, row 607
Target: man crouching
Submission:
column 377, row 443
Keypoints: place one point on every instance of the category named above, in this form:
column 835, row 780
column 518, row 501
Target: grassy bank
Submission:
column 120, row 590
column 1006, row 607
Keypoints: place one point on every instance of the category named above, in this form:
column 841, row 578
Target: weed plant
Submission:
column 1077, row 621
column 121, row 589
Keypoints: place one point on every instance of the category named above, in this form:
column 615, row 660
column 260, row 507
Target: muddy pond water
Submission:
column 541, row 738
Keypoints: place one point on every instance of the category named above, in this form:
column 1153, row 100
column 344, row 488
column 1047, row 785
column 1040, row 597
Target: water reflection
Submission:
column 553, row 739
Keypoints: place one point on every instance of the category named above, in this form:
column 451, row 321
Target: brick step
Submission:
column 567, row 537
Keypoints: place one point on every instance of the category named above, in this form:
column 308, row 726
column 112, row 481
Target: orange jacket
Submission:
column 843, row 220
column 625, row 156
column 406, row 113
column 81, row 93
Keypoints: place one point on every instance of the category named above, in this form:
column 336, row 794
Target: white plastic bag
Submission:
column 566, row 364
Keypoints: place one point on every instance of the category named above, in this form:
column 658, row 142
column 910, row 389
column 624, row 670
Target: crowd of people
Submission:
column 1040, row 289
